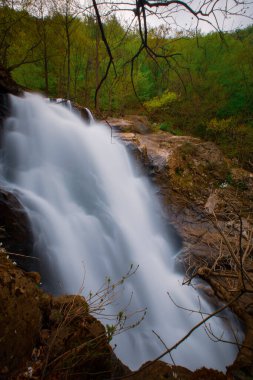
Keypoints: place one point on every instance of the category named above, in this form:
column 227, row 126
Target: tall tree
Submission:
column 40, row 9
column 68, row 10
column 213, row 12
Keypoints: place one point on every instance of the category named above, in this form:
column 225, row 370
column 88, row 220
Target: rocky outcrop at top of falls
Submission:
column 194, row 178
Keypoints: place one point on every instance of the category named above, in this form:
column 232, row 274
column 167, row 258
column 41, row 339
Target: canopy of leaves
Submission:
column 206, row 83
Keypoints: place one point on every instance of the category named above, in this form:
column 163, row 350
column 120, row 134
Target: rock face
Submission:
column 20, row 316
column 7, row 84
column 193, row 178
column 160, row 370
column 15, row 229
column 131, row 123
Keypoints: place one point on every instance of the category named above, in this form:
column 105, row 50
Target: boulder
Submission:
column 131, row 123
column 15, row 229
column 160, row 370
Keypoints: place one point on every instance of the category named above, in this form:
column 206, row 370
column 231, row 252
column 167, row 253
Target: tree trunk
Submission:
column 68, row 54
column 97, row 64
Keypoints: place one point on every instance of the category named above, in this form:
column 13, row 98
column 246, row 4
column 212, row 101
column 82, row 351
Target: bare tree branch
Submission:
column 108, row 49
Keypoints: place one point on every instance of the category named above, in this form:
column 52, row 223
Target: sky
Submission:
column 239, row 14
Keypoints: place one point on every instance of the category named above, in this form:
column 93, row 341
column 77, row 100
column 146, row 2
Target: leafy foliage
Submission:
column 161, row 102
column 207, row 90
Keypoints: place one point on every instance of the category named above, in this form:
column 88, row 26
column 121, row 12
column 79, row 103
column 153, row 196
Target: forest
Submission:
column 205, row 89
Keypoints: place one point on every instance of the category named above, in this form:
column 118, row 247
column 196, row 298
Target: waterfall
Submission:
column 93, row 216
column 91, row 118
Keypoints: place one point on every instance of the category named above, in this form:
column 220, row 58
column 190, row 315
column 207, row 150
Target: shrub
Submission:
column 167, row 126
column 217, row 127
column 161, row 102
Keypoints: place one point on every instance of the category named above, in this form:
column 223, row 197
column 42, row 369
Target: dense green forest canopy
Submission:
column 186, row 83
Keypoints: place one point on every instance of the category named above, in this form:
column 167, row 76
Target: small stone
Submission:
column 30, row 372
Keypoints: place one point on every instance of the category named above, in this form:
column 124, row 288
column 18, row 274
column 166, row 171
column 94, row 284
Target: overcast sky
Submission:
column 181, row 19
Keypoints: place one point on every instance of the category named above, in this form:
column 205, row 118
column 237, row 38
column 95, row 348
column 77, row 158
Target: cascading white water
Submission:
column 91, row 118
column 93, row 217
